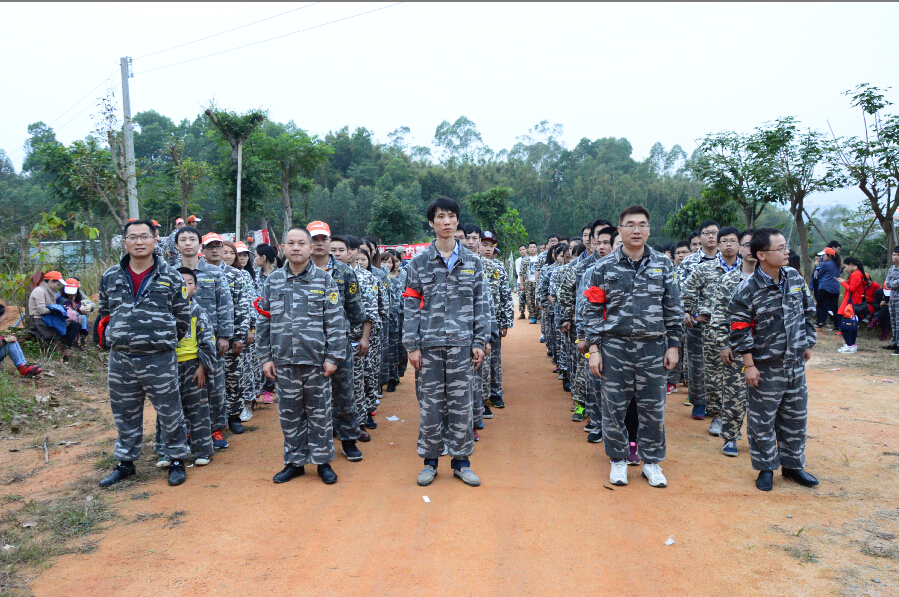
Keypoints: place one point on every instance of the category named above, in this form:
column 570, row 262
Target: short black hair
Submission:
column 896, row 249
column 525, row 246
column 472, row 229
column 748, row 231
column 834, row 244
column 148, row 223
column 693, row 235
column 729, row 230
column 187, row 229
column 444, row 203
column 761, row 240
column 610, row 230
column 533, row 242
column 633, row 210
column 598, row 224
column 188, row 272
column 587, row 227
column 578, row 250
column 706, row 223
column 553, row 236
column 352, row 242
column 301, row 229
column 681, row 243
column 341, row 239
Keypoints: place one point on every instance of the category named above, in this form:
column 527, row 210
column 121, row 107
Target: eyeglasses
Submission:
column 783, row 249
column 136, row 237
column 729, row 242
column 640, row 227
column 744, row 244
column 709, row 233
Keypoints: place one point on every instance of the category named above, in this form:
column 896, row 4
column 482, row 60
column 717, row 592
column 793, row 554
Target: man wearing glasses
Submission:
column 708, row 250
column 633, row 322
column 698, row 292
column 772, row 325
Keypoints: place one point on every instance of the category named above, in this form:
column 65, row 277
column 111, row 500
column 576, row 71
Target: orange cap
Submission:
column 241, row 247
column 179, row 221
column 317, row 228
column 193, row 218
column 53, row 275
column 211, row 238
column 829, row 251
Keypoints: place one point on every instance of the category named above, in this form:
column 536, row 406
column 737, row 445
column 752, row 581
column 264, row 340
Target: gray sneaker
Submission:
column 715, row 427
column 426, row 476
column 467, row 475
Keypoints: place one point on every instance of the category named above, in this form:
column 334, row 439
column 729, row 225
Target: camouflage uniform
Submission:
column 343, row 399
column 446, row 324
column 214, row 298
column 693, row 336
column 306, row 327
column 563, row 343
column 172, row 254
column 369, row 291
column 397, row 284
column 142, row 335
column 776, row 324
column 241, row 299
column 698, row 291
column 504, row 314
column 892, row 282
column 248, row 384
column 568, row 298
column 547, row 320
column 637, row 320
column 377, row 374
column 480, row 379
column 733, row 387
column 529, row 265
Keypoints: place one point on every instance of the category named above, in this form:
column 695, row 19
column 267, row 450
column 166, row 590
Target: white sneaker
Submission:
column 653, row 474
column 618, row 475
column 852, row 349
column 163, row 462
column 202, row 460
column 246, row 414
column 843, row 348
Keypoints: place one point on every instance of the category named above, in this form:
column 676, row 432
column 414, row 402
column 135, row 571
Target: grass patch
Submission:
column 76, row 516
column 801, row 553
column 176, row 518
column 144, row 495
column 13, row 400
column 146, row 516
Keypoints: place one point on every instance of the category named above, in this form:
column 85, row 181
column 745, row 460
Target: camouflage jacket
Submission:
column 622, row 301
column 543, row 284
column 453, row 307
column 172, row 254
column 538, row 266
column 206, row 349
column 348, row 291
column 397, row 287
column 249, row 288
column 569, row 297
column 383, row 282
column 490, row 313
column 155, row 321
column 369, row 291
column 240, row 298
column 306, row 324
column 214, row 298
column 719, row 324
column 892, row 280
column 700, row 287
column 503, row 307
column 771, row 322
column 689, row 264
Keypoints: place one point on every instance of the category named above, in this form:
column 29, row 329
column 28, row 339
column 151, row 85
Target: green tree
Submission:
column 489, row 206
column 393, row 219
column 711, row 205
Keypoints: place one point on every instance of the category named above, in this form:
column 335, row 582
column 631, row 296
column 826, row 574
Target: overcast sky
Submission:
column 664, row 72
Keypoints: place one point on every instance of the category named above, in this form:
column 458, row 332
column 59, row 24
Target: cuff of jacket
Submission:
column 674, row 343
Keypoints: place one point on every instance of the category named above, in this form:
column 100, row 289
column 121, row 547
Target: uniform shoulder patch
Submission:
column 496, row 274
column 224, row 282
column 184, row 292
column 353, row 288
column 332, row 298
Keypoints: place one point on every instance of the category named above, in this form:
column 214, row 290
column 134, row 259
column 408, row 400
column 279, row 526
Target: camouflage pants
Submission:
column 443, row 386
column 384, row 375
column 133, row 378
column 695, row 368
column 359, row 385
column 250, row 381
column 733, row 400
column 373, row 373
column 477, row 396
column 778, row 413
column 215, row 389
column 234, row 384
column 522, row 300
column 634, row 368
column 196, row 413
column 393, row 353
column 578, row 376
column 343, row 399
column 563, row 346
column 304, row 409
column 549, row 334
column 530, row 291
column 496, row 370
column 486, row 373
column 593, row 395
column 894, row 315
column 714, row 373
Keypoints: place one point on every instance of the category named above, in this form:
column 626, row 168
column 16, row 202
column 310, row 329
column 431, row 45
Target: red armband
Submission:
column 262, row 312
column 741, row 325
column 596, row 295
column 101, row 328
column 415, row 294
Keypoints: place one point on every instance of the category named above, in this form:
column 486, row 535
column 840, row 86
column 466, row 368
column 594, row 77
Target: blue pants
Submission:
column 14, row 351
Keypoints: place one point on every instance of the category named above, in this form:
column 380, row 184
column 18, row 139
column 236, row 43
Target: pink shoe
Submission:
column 268, row 398
column 477, row 437
column 633, row 459
column 671, row 388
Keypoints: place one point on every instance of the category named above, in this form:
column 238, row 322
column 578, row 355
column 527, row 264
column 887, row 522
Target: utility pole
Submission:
column 239, row 170
column 133, row 211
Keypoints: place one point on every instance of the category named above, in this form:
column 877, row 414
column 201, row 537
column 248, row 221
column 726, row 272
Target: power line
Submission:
column 228, row 31
column 272, row 38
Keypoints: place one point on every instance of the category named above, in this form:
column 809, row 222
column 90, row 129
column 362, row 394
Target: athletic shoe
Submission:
column 477, row 437
column 350, row 450
column 202, row 460
column 618, row 474
column 890, row 347
column 370, row 422
column 163, row 462
column 730, row 448
column 590, row 427
column 715, row 427
column 467, row 476
column 687, row 401
column 560, row 375
column 653, row 474
column 542, row 339
column 177, row 474
column 838, row 333
column 488, row 414
column 29, row 370
column 426, row 476
column 895, row 353
column 391, row 386
column 218, row 440
column 556, row 370
column 673, row 389
column 566, row 385
column 578, row 414
column 246, row 414
column 533, row 320
column 852, row 349
column 497, row 403
column 595, row 436
column 479, row 425
column 699, row 412
column 268, row 398
column 633, row 459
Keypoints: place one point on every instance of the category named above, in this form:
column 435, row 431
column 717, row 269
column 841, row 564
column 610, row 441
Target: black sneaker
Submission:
column 498, row 403
column 370, row 423
column 488, row 414
column 391, row 386
column 329, row 477
column 595, row 436
column 177, row 476
column 235, row 425
column 350, row 450
column 122, row 471
column 895, row 353
column 890, row 347
column 591, row 427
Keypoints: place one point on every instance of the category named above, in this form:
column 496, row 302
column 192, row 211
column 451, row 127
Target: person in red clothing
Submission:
column 855, row 288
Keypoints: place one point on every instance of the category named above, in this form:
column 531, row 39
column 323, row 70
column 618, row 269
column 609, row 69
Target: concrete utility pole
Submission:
column 239, row 172
column 133, row 211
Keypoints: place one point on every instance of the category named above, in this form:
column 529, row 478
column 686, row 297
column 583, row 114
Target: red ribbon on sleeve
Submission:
column 596, row 295
column 742, row 325
column 415, row 294
column 262, row 312
column 101, row 328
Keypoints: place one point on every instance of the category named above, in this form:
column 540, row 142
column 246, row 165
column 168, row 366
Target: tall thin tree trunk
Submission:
column 802, row 233
column 285, row 199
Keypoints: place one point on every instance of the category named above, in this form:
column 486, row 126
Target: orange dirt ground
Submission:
column 543, row 522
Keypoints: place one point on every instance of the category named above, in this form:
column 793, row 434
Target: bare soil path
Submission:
column 542, row 523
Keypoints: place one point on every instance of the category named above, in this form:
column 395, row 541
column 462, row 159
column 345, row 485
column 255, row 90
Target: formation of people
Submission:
column 205, row 328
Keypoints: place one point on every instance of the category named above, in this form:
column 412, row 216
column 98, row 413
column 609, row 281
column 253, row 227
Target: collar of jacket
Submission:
column 126, row 261
column 305, row 275
column 767, row 281
column 205, row 266
column 433, row 253
column 619, row 254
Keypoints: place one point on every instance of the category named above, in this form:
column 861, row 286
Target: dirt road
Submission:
column 542, row 523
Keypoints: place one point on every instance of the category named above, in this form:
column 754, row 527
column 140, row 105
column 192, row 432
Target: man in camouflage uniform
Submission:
column 365, row 400
column 301, row 340
column 697, row 292
column 445, row 332
column 518, row 266
column 148, row 313
column 772, row 321
column 230, row 376
column 343, row 400
column 214, row 298
column 529, row 280
column 376, row 356
column 633, row 321
column 504, row 312
column 733, row 386
column 708, row 235
column 170, row 245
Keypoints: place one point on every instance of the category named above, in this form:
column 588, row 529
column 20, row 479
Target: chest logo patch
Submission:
column 496, row 274
column 353, row 288
column 332, row 298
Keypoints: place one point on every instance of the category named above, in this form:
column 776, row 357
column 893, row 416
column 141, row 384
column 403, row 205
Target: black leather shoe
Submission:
column 800, row 476
column 350, row 450
column 122, row 471
column 291, row 471
column 177, row 476
column 370, row 422
column 327, row 474
column 235, row 425
column 765, row 481
column 391, row 386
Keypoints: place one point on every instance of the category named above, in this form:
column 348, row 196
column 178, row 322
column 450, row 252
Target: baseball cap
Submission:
column 241, row 247
column 71, row 286
column 317, row 228
column 829, row 251
column 487, row 235
column 53, row 275
column 211, row 237
column 179, row 221
column 193, row 219
column 821, row 254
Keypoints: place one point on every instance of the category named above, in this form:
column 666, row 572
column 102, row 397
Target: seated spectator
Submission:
column 49, row 320
column 881, row 304
column 9, row 346
column 78, row 307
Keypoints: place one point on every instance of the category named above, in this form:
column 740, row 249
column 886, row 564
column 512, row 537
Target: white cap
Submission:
column 70, row 289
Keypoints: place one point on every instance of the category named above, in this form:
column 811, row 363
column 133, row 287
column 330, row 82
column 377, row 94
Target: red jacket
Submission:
column 857, row 291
